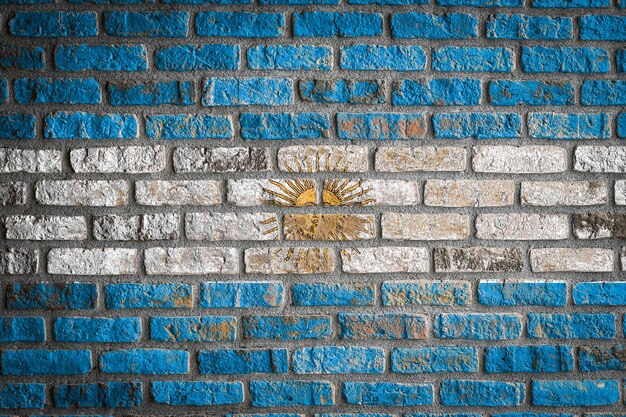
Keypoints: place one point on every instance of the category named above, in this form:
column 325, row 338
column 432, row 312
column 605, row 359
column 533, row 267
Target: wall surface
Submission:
column 378, row 207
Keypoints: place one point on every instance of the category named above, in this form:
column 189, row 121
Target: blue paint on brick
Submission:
column 433, row 293
column 333, row 294
column 97, row 329
column 523, row 293
column 620, row 60
column 4, row 2
column 338, row 360
column 434, row 359
column 192, row 58
column 381, row 126
column 482, row 3
column 20, row 57
column 575, row 393
column 520, row 27
column 46, row 362
column 152, row 93
column 390, row 2
column 54, row 24
column 241, row 294
column 569, row 126
column 193, row 329
column 482, row 393
column 477, row 125
column 334, row 24
column 343, row 91
column 101, row 57
column 477, row 326
column 147, row 24
column 571, row 326
column 22, row 329
column 387, row 394
column 247, row 91
column 621, row 125
column 130, row 295
column 437, row 92
column 472, row 59
column 103, row 395
column 81, row 125
column 431, row 26
column 601, row 358
column 239, row 24
column 17, row 126
column 571, row 4
column 290, row 57
column 19, row 395
column 529, row 359
column 48, row 296
column 533, row 93
column 450, row 415
column 198, row 393
column 56, row 91
column 389, row 326
column 292, row 327
column 378, row 57
column 4, row 91
column 353, row 415
column 189, row 126
column 603, row 93
column 272, row 126
column 564, row 59
column 600, row 293
column 240, row 361
column 291, row 393
column 145, row 361
column 535, row 415
column 111, row 1
column 298, row 2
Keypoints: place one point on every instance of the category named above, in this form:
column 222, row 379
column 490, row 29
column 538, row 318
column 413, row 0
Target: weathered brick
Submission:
column 21, row 395
column 290, row 57
column 522, row 226
column 477, row 326
column 344, row 90
column 522, row 293
column 519, row 159
column 97, row 261
column 555, row 393
column 334, row 24
column 333, row 294
column 426, row 292
column 557, row 193
column 482, row 393
column 257, row 192
column 425, row 158
column 609, row 159
column 374, row 192
column 53, row 24
column 197, row 393
column 521, row 27
column 620, row 193
column 596, row 358
column 127, row 159
column 477, row 125
column 45, row 228
column 84, row 57
column 603, row 93
column 243, row 361
column 12, row 193
column 136, row 227
column 569, row 126
column 235, row 159
column 437, row 92
column 387, row 394
column 97, row 329
column 52, row 296
column 292, row 393
column 112, row 193
column 323, row 159
column 286, row 327
column 178, row 193
column 144, row 361
column 241, row 294
column 574, row 4
column 386, row 259
column 469, row 193
column 231, row 226
column 151, row 93
column 147, row 24
column 473, row 59
column 17, row 126
column 191, row 261
column 515, row 359
column 42, row 161
column 434, row 359
column 4, row 91
column 193, row 329
column 392, row 326
column 247, row 92
column 431, row 26
column 478, row 259
column 22, row 329
column 571, row 326
column 602, row 28
column 409, row 226
column 131, row 295
column 601, row 293
column 338, row 360
column 533, row 93
column 102, row 395
column 56, row 91
column 15, row 261
column 537, row 59
column 289, row 260
column 273, row 126
column 197, row 58
column 338, row 227
column 481, row 3
column 21, row 57
column 189, row 126
column 599, row 225
column 379, row 57
column 81, row 125
column 241, row 25
column 381, row 126
column 571, row 260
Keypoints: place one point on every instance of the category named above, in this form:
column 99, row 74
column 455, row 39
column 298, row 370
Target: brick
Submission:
column 594, row 358
column 389, row 2
column 473, row 59
column 620, row 193
column 241, row 25
column 140, row 227
column 620, row 58
column 193, row 329
column 229, row 226
column 378, row 57
column 477, row 326
column 532, row 93
column 52, row 296
column 131, row 295
column 425, row 158
column 481, row 3
column 338, row 227
column 147, row 24
column 344, row 90
column 431, row 26
column 197, row 393
column 478, row 259
column 387, row 326
column 20, row 395
column 151, row 93
column 178, row 193
column 297, row 2
column 300, row 260
column 469, row 193
column 519, row 159
column 516, row 359
column 569, row 126
column 82, row 193
column 126, row 159
column 482, row 393
column 291, row 393
column 30, row 160
column 381, row 126
column 584, row 393
column 602, row 28
column 522, row 27
column 17, row 126
column 97, row 329
column 338, row 360
column 571, row 260
column 290, row 57
column 15, row 261
column 12, row 194
column 333, row 294
column 408, row 226
column 477, row 125
column 97, row 261
column 188, row 126
column 522, row 226
column 599, row 225
column 45, row 228
column 286, row 327
column 334, row 24
column 426, row 293
column 385, row 259
column 434, row 359
column 437, row 92
column 232, row 159
column 145, row 362
column 102, row 395
column 21, row 57
column 537, row 59
column 247, row 91
column 56, row 91
column 4, row 91
column 603, row 93
column 46, row 362
column 323, row 159
column 574, row 4
column 100, row 57
column 522, row 293
column 557, row 193
column 22, row 329
column 373, row 192
column 387, row 394
column 253, row 294
column 191, row 261
column 81, row 125
column 53, row 24
column 197, row 58
column 609, row 159
column 601, row 293
column 259, row 192
column 271, row 126
column 571, row 326
column 243, row 361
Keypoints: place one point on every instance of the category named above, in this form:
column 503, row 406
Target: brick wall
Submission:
column 378, row 207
